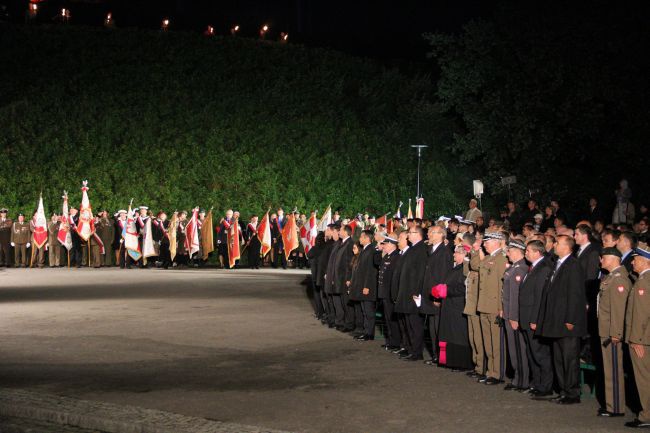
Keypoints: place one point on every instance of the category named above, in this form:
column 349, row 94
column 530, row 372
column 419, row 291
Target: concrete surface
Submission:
column 238, row 346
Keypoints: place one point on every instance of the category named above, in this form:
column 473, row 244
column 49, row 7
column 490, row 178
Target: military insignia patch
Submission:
column 518, row 277
column 621, row 289
column 641, row 292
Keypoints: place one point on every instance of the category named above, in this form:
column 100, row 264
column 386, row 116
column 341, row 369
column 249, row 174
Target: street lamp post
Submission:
column 419, row 147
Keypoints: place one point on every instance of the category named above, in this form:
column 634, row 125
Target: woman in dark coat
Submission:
column 453, row 336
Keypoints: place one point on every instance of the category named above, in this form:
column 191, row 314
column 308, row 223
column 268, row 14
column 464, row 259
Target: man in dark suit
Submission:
column 328, row 278
column 439, row 263
column 563, row 318
column 588, row 254
column 366, row 285
column 402, row 247
column 625, row 244
column 538, row 349
column 410, row 284
column 343, row 311
column 594, row 212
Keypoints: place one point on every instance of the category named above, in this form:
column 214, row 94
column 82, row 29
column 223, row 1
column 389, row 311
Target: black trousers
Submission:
column 318, row 301
column 566, row 360
column 350, row 321
column 75, row 255
column 330, row 311
column 358, row 316
column 404, row 332
column 415, row 325
column 165, row 256
column 339, row 309
column 5, row 256
column 369, row 309
column 538, row 352
column 278, row 256
column 433, row 321
column 392, row 333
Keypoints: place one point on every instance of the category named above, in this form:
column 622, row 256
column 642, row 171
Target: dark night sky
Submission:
column 384, row 29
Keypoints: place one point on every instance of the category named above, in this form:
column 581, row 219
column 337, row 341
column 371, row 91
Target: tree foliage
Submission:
column 175, row 120
column 554, row 93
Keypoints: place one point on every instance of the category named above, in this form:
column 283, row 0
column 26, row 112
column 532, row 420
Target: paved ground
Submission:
column 242, row 347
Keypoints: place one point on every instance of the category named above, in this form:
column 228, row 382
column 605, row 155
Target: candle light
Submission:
column 209, row 31
column 165, row 25
column 108, row 22
column 263, row 31
column 284, row 37
column 65, row 14
column 32, row 11
column 234, row 30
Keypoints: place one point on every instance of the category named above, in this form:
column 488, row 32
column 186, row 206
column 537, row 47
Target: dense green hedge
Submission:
column 176, row 120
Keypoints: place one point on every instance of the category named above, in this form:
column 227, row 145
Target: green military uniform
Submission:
column 637, row 331
column 490, row 286
column 95, row 252
column 54, row 246
column 612, row 299
column 473, row 319
column 20, row 237
column 106, row 232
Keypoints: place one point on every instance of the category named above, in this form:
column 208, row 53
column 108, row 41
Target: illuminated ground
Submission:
column 242, row 347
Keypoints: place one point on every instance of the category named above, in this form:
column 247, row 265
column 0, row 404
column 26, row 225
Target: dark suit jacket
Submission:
column 530, row 293
column 342, row 266
column 411, row 276
column 564, row 301
column 365, row 276
column 439, row 264
column 385, row 274
column 330, row 271
column 397, row 272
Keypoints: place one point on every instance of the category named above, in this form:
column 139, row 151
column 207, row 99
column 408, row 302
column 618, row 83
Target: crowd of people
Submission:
column 515, row 301
column 524, row 299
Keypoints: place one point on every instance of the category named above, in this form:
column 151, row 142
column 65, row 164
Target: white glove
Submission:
column 121, row 241
column 28, row 244
column 13, row 245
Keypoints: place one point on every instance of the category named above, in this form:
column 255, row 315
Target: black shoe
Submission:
column 509, row 387
column 430, row 362
column 569, row 400
column 527, row 390
column 473, row 374
column 392, row 348
column 366, row 338
column 607, row 414
column 413, row 358
column 637, row 424
column 538, row 393
column 492, row 381
column 339, row 328
column 482, row 379
column 401, row 352
column 358, row 336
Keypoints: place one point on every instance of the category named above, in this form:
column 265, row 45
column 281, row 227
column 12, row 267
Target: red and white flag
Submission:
column 326, row 219
column 130, row 236
column 192, row 233
column 64, row 236
column 86, row 224
column 290, row 235
column 39, row 225
column 311, row 232
column 419, row 208
column 264, row 235
column 148, row 246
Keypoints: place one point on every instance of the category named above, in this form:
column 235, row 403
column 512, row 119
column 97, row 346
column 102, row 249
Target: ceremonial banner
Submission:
column 311, row 228
column 233, row 243
column 86, row 224
column 39, row 224
column 148, row 247
column 64, row 236
column 264, row 235
column 130, row 236
column 290, row 235
column 172, row 231
column 207, row 237
column 192, row 233
column 419, row 208
column 326, row 219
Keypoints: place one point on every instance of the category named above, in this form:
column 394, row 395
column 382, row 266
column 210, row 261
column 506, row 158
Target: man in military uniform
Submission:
column 612, row 300
column 384, row 279
column 490, row 284
column 37, row 254
column 471, row 299
column 637, row 334
column 20, row 236
column 5, row 238
column 54, row 246
column 512, row 279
